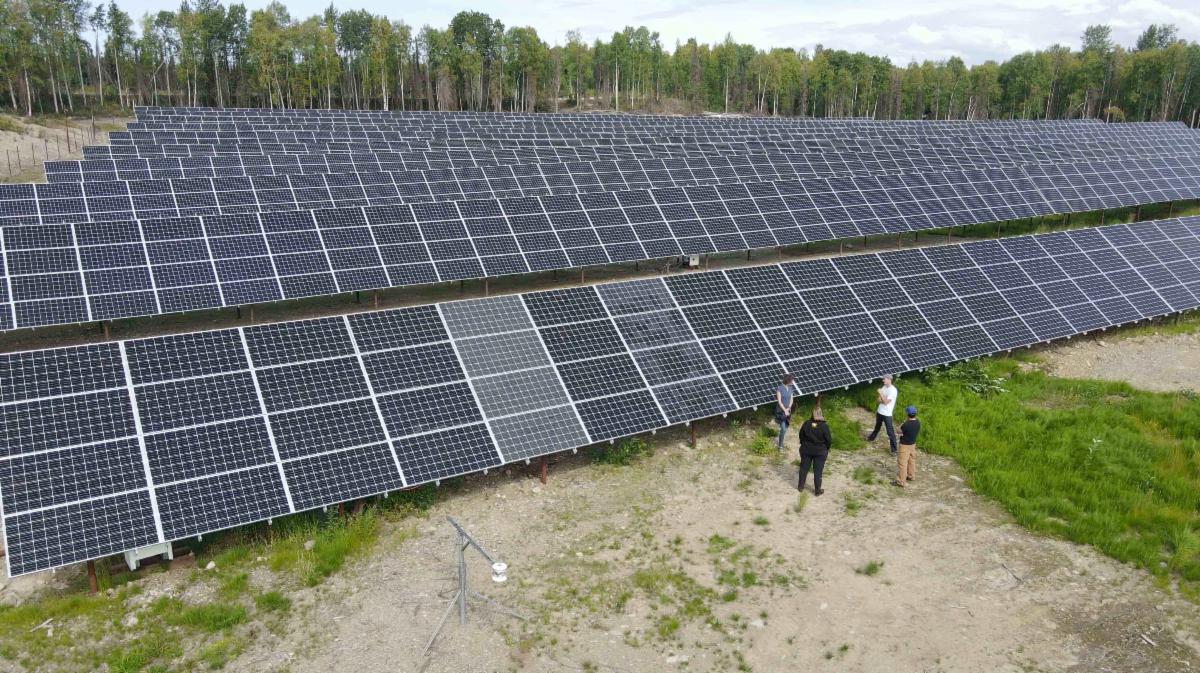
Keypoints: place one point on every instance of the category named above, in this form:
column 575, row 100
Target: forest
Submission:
column 73, row 57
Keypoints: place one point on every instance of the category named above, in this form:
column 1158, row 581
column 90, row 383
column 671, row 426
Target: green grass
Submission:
column 272, row 601
column 1094, row 462
column 208, row 617
column 864, row 474
column 217, row 654
column 852, row 504
column 624, row 452
column 9, row 124
column 871, row 569
column 761, row 520
column 763, row 444
column 847, row 434
column 139, row 654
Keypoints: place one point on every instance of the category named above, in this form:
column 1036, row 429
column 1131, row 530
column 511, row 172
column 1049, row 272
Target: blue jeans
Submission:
column 886, row 421
column 783, row 426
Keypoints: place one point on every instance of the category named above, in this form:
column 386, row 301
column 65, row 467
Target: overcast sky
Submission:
column 976, row 30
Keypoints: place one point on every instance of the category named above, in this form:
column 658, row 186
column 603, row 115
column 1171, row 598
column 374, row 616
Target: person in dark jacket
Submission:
column 814, row 448
column 906, row 461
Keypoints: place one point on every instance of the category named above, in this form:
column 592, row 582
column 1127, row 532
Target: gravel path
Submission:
column 1153, row 362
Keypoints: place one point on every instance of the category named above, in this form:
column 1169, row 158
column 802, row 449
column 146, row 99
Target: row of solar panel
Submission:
column 796, row 161
column 690, row 126
column 862, row 163
column 566, row 118
column 479, row 155
column 763, row 167
column 300, row 145
column 60, row 274
column 305, row 133
column 66, row 203
column 60, row 202
column 642, row 124
column 114, row 446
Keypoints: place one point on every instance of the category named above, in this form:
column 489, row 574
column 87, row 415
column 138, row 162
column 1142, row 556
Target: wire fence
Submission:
column 58, row 142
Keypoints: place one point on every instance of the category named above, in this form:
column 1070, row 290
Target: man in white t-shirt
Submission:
column 886, row 400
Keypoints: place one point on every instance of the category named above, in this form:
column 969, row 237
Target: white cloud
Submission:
column 922, row 34
column 976, row 30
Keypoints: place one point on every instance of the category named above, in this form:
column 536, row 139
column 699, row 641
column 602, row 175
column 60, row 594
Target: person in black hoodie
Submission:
column 814, row 448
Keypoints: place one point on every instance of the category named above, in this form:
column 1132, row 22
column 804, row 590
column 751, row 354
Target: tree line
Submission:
column 70, row 56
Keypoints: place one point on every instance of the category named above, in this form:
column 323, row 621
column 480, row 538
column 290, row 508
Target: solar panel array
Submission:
column 84, row 271
column 118, row 445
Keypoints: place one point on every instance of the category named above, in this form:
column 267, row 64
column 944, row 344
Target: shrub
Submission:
column 623, row 452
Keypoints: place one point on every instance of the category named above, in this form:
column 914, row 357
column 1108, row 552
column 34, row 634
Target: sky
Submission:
column 976, row 30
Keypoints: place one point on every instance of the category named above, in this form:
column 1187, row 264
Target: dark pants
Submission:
column 885, row 421
column 818, row 466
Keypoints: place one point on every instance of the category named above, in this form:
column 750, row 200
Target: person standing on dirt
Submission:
column 885, row 398
column 815, row 440
column 783, row 408
column 906, row 462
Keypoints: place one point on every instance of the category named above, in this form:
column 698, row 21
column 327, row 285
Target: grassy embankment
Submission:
column 257, row 570
column 1095, row 462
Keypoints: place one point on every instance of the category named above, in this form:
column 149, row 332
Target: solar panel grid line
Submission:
column 758, row 329
column 557, row 374
column 291, row 205
column 470, row 386
column 870, row 316
column 262, row 405
column 729, row 137
column 78, row 168
column 1137, row 268
column 707, row 358
column 9, row 306
column 628, row 349
column 359, row 209
column 922, row 253
column 387, row 432
column 141, row 440
column 233, row 146
column 485, row 155
column 798, row 164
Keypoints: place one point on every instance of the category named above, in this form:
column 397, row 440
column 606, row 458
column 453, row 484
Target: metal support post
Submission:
column 463, row 541
column 542, row 469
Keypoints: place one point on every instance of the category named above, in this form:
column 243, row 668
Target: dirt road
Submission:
column 605, row 562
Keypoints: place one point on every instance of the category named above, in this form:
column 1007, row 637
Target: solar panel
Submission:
column 114, row 446
column 66, row 273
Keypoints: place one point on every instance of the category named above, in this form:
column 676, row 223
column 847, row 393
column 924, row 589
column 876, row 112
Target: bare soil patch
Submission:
column 961, row 587
column 26, row 143
column 1158, row 362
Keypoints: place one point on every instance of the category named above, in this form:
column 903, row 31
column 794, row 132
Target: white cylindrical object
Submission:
column 499, row 572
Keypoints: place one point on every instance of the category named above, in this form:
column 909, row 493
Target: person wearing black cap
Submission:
column 906, row 458
column 814, row 449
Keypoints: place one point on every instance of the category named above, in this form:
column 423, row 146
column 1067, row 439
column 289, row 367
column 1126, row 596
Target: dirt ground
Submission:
column 961, row 588
column 25, row 144
column 1152, row 362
